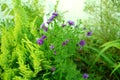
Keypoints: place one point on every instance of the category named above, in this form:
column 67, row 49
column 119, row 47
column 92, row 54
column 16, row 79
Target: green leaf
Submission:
column 115, row 69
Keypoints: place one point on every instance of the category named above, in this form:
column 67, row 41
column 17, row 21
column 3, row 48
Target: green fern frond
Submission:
column 21, row 20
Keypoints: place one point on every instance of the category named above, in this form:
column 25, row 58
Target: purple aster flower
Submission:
column 85, row 76
column 53, row 69
column 55, row 13
column 82, row 43
column 40, row 41
column 43, row 37
column 42, row 25
column 63, row 25
column 51, row 47
column 89, row 33
column 71, row 22
column 45, row 29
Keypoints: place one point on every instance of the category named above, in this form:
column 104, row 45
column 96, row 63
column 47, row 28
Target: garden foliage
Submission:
column 32, row 48
column 48, row 52
column 104, row 22
column 21, row 58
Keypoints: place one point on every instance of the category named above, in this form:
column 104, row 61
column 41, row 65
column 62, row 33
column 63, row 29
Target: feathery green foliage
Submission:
column 21, row 58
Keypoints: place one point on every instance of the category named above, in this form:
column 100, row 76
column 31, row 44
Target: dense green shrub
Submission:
column 32, row 49
column 21, row 58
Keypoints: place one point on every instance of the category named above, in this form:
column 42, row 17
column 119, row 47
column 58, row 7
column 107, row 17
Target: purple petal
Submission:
column 82, row 43
column 43, row 37
column 45, row 29
column 85, row 75
column 42, row 25
column 89, row 33
column 71, row 22
column 51, row 18
column 40, row 41
column 55, row 13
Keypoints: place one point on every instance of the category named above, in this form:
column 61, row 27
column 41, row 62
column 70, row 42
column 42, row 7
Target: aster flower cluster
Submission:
column 81, row 43
column 54, row 15
column 70, row 23
column 41, row 40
